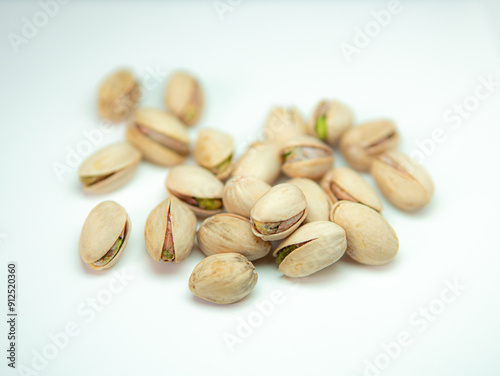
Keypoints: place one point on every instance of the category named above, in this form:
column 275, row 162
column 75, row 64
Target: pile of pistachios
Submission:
column 315, row 217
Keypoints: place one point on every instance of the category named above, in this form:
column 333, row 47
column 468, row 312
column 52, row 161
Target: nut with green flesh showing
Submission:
column 170, row 231
column 306, row 157
column 343, row 183
column 283, row 124
column 109, row 168
column 370, row 238
column 229, row 233
column 261, row 160
column 361, row 144
column 279, row 212
column 318, row 203
column 104, row 235
column 241, row 193
column 184, row 98
column 196, row 187
column 118, row 95
column 313, row 247
column 224, row 278
column 404, row 182
column 330, row 120
column 214, row 151
column 162, row 139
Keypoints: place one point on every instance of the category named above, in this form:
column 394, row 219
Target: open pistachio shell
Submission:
column 330, row 120
column 118, row 95
column 313, row 247
column 109, row 168
column 279, row 212
column 196, row 187
column 283, row 124
column 159, row 135
column 184, row 98
column 260, row 160
column 318, row 203
column 104, row 235
column 343, row 183
column 214, row 151
column 170, row 231
column 241, row 193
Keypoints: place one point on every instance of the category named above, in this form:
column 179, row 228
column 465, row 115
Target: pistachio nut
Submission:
column 283, row 124
column 260, row 160
column 279, row 212
column 343, row 183
column 241, row 193
column 229, row 233
column 118, row 95
column 330, row 120
column 404, row 182
column 318, row 203
column 104, row 235
column 360, row 144
column 370, row 238
column 223, row 278
column 109, row 168
column 214, row 151
column 160, row 136
column 313, row 247
column 306, row 157
column 196, row 187
column 184, row 98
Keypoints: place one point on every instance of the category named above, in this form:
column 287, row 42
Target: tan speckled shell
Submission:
column 283, row 124
column 260, row 160
column 318, row 203
column 212, row 148
column 241, row 193
column 181, row 89
column 118, row 95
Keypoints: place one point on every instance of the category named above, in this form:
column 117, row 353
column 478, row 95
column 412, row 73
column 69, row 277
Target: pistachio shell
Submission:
column 241, row 193
column 318, row 203
column 283, row 124
column 184, row 97
column 214, row 148
column 337, row 119
column 118, row 95
column 350, row 185
column 112, row 166
column 325, row 243
column 104, row 225
column 223, row 278
column 229, row 233
column 370, row 238
column 261, row 160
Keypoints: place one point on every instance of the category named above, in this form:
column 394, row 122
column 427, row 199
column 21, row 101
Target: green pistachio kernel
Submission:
column 167, row 255
column 285, row 252
column 223, row 165
column 209, row 203
column 321, row 127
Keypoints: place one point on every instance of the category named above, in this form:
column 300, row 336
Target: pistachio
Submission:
column 261, row 161
column 229, row 233
column 109, row 168
column 184, row 98
column 104, row 235
column 343, row 183
column 305, row 156
column 223, row 278
column 241, row 193
column 118, row 95
column 318, row 203
column 330, row 120
column 196, row 187
column 404, row 182
column 160, row 136
column 361, row 144
column 279, row 212
column 283, row 124
column 214, row 151
column 370, row 238
column 313, row 247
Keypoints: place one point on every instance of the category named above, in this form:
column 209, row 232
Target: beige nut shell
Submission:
column 283, row 124
column 118, row 95
column 260, row 160
column 318, row 203
column 182, row 89
column 241, row 193
column 212, row 148
column 339, row 118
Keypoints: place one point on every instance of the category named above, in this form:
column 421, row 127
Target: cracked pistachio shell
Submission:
column 404, row 182
column 330, row 120
column 105, row 224
column 229, row 233
column 188, row 182
column 315, row 161
column 224, row 278
column 283, row 124
column 118, row 95
column 241, row 193
column 260, row 160
column 318, row 203
column 181, row 230
column 283, row 205
column 214, row 151
column 164, row 126
column 184, row 98
column 343, row 183
column 370, row 238
column 109, row 168
column 360, row 144
column 325, row 243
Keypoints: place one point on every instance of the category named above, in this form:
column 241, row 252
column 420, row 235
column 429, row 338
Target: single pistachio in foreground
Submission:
column 184, row 98
column 118, row 95
column 241, row 193
column 214, row 151
column 318, row 203
column 330, row 120
column 283, row 124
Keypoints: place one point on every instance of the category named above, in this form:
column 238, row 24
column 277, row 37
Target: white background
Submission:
column 431, row 56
